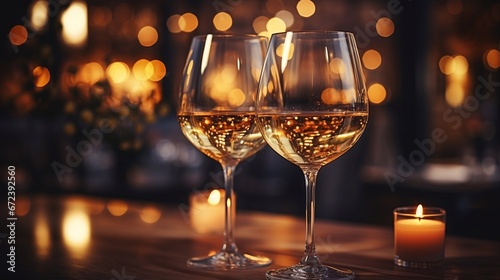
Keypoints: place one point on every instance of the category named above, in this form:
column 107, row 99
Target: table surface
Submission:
column 78, row 237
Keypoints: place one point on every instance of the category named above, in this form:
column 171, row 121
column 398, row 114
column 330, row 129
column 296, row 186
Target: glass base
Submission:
column 227, row 261
column 400, row 262
column 300, row 271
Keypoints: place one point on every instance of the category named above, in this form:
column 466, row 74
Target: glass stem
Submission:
column 229, row 243
column 310, row 257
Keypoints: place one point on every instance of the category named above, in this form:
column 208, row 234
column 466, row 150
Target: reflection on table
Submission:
column 76, row 237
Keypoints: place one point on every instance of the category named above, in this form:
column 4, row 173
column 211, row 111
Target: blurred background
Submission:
column 88, row 92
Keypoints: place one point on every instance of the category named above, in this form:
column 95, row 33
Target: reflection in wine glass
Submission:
column 311, row 108
column 217, row 115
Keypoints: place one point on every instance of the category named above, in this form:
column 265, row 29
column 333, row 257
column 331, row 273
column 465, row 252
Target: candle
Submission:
column 419, row 236
column 207, row 211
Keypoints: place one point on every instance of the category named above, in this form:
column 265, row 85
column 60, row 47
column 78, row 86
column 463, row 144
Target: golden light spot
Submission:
column 74, row 23
column 493, row 58
column 214, row 197
column 222, row 21
column 228, row 73
column 236, row 97
column 447, row 65
column 150, row 214
column 454, row 94
column 377, row 93
column 91, row 73
column 87, row 116
column 18, row 35
column 76, row 231
column 372, row 59
column 281, row 48
column 39, row 14
column 337, row 66
column 265, row 34
column 461, row 64
column 117, row 72
column 156, row 70
column 276, row 25
column 385, row 27
column 42, row 76
column 330, row 96
column 117, row 207
column 306, row 8
column 42, row 236
column 419, row 213
column 286, row 16
column 259, row 24
column 147, row 36
column 173, row 23
column 188, row 22
column 139, row 70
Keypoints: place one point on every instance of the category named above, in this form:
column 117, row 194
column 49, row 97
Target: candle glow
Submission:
column 419, row 237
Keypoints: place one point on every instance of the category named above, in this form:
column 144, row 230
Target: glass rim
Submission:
column 231, row 35
column 409, row 211
column 317, row 32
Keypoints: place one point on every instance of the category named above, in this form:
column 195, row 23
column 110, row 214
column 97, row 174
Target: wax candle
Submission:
column 207, row 211
column 419, row 236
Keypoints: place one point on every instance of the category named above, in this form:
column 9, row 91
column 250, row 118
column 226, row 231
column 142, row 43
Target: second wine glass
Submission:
column 312, row 107
column 216, row 113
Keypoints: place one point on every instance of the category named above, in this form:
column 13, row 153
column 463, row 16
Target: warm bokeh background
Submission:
column 88, row 92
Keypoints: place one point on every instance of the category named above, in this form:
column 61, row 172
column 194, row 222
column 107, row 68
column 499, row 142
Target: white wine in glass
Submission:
column 216, row 113
column 312, row 107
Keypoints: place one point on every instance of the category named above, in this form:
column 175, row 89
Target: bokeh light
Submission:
column 222, row 21
column 91, row 73
column 74, row 23
column 337, row 66
column 377, row 93
column 147, row 36
column 275, row 25
column 117, row 207
column 150, row 214
column 259, row 24
column 446, row 65
column 236, row 97
column 18, row 35
column 117, row 72
column 454, row 94
column 173, row 23
column 286, row 16
column 492, row 58
column 385, row 27
column 306, row 8
column 461, row 64
column 139, row 70
column 155, row 70
column 372, row 59
column 42, row 76
column 39, row 14
column 188, row 22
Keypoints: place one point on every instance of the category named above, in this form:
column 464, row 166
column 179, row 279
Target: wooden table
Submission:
column 77, row 237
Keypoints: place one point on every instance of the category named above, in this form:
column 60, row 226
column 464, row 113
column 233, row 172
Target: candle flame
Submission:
column 214, row 197
column 420, row 211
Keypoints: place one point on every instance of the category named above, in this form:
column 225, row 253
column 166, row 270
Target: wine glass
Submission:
column 311, row 108
column 217, row 114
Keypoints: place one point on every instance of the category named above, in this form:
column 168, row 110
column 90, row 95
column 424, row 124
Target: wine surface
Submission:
column 223, row 136
column 312, row 138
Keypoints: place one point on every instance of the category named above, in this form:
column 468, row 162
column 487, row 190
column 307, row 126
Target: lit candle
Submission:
column 207, row 211
column 419, row 236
